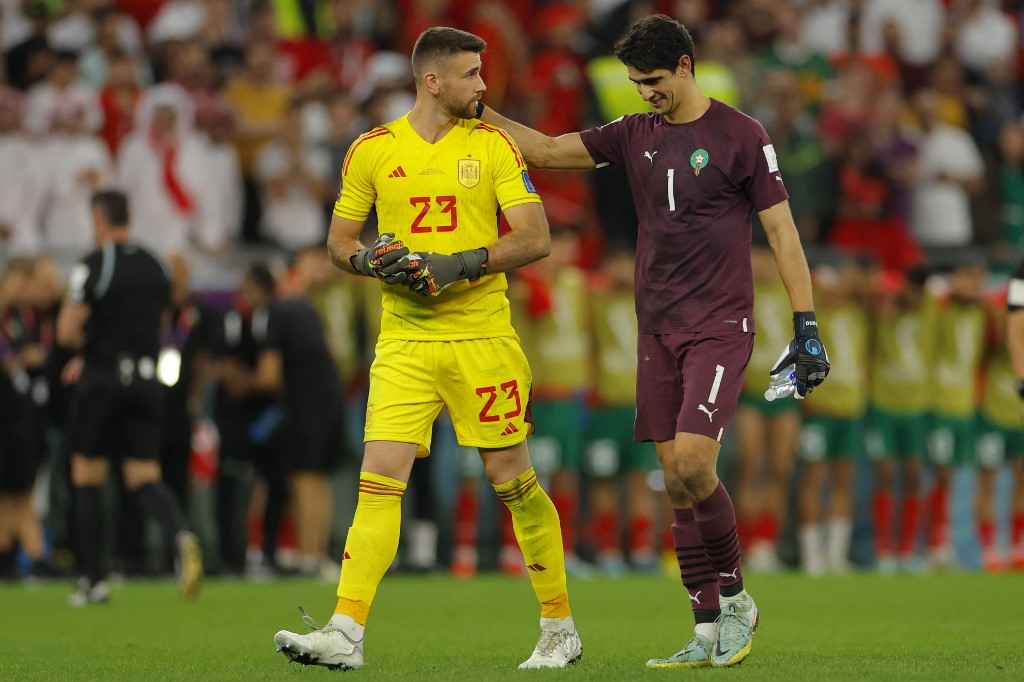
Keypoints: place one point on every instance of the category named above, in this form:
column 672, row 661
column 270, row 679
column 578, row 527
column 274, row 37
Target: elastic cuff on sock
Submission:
column 358, row 611
column 376, row 480
column 518, row 489
column 706, row 505
column 556, row 608
column 683, row 515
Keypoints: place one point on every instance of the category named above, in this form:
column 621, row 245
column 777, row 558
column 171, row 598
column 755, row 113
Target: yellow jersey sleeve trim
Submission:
column 348, row 214
column 532, row 199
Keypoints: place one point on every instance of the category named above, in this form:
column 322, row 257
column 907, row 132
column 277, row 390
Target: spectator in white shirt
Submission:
column 825, row 24
column 950, row 170
column 109, row 44
column 21, row 180
column 62, row 88
column 77, row 164
column 920, row 23
column 177, row 20
column 77, row 29
column 983, row 35
column 292, row 174
column 160, row 166
column 219, row 208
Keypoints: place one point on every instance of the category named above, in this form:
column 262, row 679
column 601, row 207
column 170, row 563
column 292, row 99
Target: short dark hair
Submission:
column 441, row 42
column 113, row 204
column 260, row 275
column 655, row 42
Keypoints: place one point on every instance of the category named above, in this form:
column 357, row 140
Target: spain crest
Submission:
column 469, row 172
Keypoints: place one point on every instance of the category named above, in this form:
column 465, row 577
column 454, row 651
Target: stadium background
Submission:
column 270, row 95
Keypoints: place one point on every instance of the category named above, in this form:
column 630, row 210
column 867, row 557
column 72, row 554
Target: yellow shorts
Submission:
column 485, row 383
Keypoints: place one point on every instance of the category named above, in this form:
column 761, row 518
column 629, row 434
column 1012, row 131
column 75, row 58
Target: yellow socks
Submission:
column 535, row 521
column 371, row 544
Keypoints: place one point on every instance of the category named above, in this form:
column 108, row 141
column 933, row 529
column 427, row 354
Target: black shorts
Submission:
column 114, row 419
column 311, row 441
column 20, row 451
column 19, row 457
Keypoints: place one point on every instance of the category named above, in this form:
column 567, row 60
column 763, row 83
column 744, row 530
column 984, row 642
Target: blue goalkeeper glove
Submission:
column 384, row 252
column 806, row 354
column 431, row 273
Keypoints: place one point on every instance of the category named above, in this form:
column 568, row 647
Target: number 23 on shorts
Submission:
column 508, row 394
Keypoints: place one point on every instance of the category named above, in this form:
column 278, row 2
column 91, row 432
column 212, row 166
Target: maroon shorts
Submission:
column 688, row 383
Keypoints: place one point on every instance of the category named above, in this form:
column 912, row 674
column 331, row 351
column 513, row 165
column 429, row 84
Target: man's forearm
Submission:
column 341, row 249
column 516, row 249
column 532, row 144
column 796, row 276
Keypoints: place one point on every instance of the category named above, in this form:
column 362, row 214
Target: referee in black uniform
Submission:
column 113, row 314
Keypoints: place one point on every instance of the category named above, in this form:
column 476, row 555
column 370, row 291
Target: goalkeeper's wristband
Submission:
column 360, row 262
column 479, row 109
column 805, row 324
column 474, row 263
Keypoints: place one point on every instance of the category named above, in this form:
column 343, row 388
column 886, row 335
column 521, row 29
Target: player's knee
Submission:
column 699, row 482
column 501, row 466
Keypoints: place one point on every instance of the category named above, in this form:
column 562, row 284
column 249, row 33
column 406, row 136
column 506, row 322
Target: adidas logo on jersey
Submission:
column 397, row 173
column 510, row 429
column 537, row 568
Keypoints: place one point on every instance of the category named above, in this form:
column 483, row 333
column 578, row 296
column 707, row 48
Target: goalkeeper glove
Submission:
column 384, row 252
column 805, row 354
column 431, row 273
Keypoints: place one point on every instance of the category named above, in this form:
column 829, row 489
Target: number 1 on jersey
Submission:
column 671, row 189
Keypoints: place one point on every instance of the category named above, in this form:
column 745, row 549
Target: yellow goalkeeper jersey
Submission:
column 442, row 197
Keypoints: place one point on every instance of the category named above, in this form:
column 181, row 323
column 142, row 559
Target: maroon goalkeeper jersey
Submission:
column 695, row 186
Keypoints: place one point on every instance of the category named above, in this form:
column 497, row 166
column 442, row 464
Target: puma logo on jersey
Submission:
column 695, row 598
column 729, row 575
column 650, row 156
column 709, row 413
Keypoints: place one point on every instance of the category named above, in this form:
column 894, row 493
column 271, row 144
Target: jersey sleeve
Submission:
column 274, row 338
column 763, row 179
column 82, row 280
column 512, row 185
column 606, row 143
column 1015, row 289
column 358, row 193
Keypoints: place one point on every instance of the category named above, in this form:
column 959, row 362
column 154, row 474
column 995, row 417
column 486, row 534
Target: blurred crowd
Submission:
column 898, row 121
column 897, row 125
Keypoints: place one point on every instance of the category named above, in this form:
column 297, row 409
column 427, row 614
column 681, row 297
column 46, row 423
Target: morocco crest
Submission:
column 469, row 172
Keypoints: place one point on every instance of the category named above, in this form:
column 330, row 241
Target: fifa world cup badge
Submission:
column 698, row 160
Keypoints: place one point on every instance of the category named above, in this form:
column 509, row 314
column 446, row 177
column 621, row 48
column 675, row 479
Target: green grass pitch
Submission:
column 864, row 627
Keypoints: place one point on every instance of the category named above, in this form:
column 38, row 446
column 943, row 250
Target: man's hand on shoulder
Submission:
column 383, row 253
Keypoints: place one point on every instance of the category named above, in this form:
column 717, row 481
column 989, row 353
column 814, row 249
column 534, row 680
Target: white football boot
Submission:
column 329, row 646
column 559, row 645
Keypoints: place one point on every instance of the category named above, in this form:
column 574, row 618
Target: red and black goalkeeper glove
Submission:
column 384, row 252
column 807, row 355
column 431, row 273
